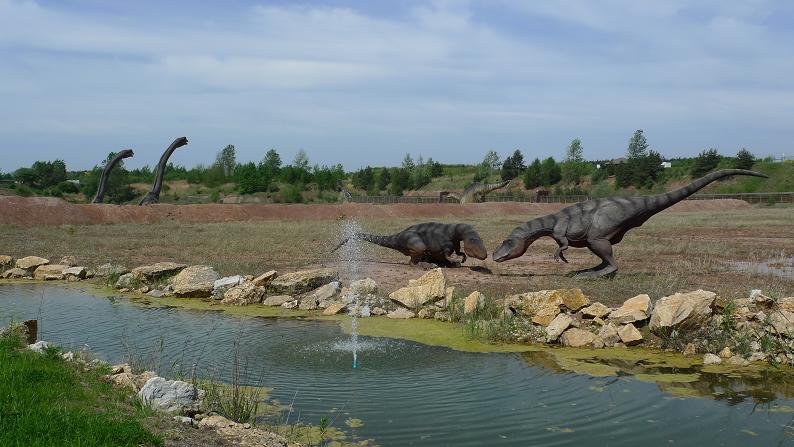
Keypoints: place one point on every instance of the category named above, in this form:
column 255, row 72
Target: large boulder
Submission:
column 474, row 302
column 577, row 338
column 633, row 309
column 609, row 334
column 16, row 273
column 173, row 396
column 68, row 260
column 786, row 304
column 573, row 299
column 682, row 310
column 400, row 313
column 77, row 272
column 782, row 322
column 50, row 271
column 111, row 270
column 595, row 310
column 629, row 335
column 196, row 281
column 125, row 281
column 557, row 326
column 30, row 263
column 297, row 283
column 430, row 287
column 220, row 286
column 244, row 294
column 6, row 262
column 265, row 278
column 334, row 308
column 149, row 273
column 323, row 293
column 277, row 300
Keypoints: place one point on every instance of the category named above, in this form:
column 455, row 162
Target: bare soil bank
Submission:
column 32, row 211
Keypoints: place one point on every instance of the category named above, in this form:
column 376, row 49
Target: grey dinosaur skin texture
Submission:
column 474, row 193
column 431, row 242
column 599, row 224
column 103, row 181
column 153, row 196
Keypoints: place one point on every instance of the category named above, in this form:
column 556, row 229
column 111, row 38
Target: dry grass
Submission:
column 672, row 252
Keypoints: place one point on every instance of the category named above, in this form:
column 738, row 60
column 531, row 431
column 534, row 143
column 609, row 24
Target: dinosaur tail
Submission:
column 383, row 241
column 669, row 199
column 494, row 186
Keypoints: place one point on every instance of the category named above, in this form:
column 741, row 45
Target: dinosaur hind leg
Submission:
column 603, row 249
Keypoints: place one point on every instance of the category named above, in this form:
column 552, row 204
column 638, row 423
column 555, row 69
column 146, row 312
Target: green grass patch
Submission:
column 45, row 401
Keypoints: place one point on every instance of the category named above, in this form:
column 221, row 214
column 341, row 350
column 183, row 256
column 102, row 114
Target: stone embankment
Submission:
column 734, row 331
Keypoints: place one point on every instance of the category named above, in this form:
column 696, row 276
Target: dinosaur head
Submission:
column 126, row 153
column 472, row 243
column 510, row 248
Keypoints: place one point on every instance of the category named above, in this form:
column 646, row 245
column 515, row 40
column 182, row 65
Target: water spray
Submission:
column 351, row 255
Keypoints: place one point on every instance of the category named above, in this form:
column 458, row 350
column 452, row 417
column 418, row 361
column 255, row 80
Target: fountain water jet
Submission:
column 351, row 257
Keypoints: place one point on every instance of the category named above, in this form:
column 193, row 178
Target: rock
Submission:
column 573, row 299
column 380, row 311
column 782, row 322
column 430, row 287
column 737, row 360
column 249, row 278
column 629, row 335
column 6, row 262
column 304, row 281
column 216, row 421
column 690, row 349
column 545, row 315
column 324, row 293
column 141, row 379
column 609, row 333
column 441, row 316
column 530, row 303
column 595, row 310
column 125, row 281
column 598, row 343
column 185, row 420
column 168, row 395
column 265, row 278
column 685, row 310
column 632, row 317
column 786, row 304
column 110, row 270
column 122, row 380
column 363, row 287
column 307, row 303
column 721, row 302
column 400, row 313
column 156, row 293
column 39, row 346
column 148, row 273
column 726, row 353
column 120, row 368
column 77, row 272
column 291, row 304
column 54, row 271
column 277, row 300
column 633, row 309
column 196, row 281
column 757, row 357
column 474, row 302
column 711, row 359
column 16, row 273
column 599, row 321
column 557, row 327
column 577, row 338
column 760, row 300
column 426, row 313
column 220, row 286
column 244, row 294
column 31, row 263
column 449, row 295
column 144, row 290
column 334, row 308
column 68, row 260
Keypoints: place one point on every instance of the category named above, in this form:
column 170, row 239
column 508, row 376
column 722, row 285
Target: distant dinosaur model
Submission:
column 599, row 224
column 344, row 194
column 153, row 196
column 474, row 193
column 103, row 181
column 431, row 242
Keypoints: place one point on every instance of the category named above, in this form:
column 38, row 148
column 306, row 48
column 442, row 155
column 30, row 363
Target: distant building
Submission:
column 667, row 164
column 75, row 181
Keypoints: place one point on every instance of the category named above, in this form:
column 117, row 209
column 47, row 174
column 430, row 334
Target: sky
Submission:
column 363, row 83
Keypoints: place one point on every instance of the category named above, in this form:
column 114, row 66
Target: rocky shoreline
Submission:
column 733, row 331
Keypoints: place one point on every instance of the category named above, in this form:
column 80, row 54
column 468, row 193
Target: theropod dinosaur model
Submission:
column 474, row 193
column 599, row 224
column 103, row 181
column 153, row 196
column 431, row 242
column 344, row 194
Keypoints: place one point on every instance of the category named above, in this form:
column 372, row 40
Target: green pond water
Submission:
column 407, row 393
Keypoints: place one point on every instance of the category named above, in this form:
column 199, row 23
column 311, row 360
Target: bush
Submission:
column 705, row 162
column 292, row 194
column 744, row 160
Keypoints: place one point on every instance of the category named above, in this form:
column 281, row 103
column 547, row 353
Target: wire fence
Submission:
column 770, row 198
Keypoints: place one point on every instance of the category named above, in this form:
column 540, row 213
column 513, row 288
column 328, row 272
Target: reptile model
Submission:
column 431, row 242
column 103, row 181
column 599, row 224
column 474, row 193
column 153, row 196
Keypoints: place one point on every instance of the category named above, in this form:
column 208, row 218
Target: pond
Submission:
column 406, row 393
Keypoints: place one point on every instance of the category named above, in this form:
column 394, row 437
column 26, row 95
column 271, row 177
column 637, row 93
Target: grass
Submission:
column 674, row 251
column 45, row 401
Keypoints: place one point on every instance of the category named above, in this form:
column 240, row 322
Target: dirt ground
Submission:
column 723, row 246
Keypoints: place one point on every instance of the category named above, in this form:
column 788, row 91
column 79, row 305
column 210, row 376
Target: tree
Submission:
column 533, row 175
column 363, row 178
column 638, row 145
column 744, row 159
column 248, row 178
column 118, row 183
column 436, row 169
column 382, row 179
column 486, row 168
column 513, row 166
column 408, row 163
column 574, row 167
column 705, row 162
column 550, row 172
column 301, row 161
column 400, row 179
column 227, row 160
column 272, row 162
